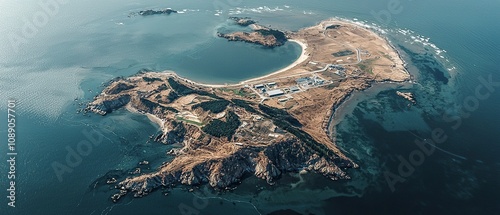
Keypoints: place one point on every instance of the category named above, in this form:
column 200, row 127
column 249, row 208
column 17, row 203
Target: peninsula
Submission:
column 260, row 35
column 265, row 126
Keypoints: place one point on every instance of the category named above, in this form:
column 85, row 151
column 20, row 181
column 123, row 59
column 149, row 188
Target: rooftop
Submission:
column 275, row 92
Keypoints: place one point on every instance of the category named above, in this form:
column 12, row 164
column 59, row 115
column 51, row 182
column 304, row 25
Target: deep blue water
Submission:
column 88, row 43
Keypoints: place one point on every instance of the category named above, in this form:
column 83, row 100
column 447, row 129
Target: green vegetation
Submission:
column 366, row 66
column 343, row 53
column 277, row 116
column 120, row 87
column 332, row 27
column 385, row 55
column 280, row 114
column 149, row 80
column 162, row 87
column 178, row 132
column 183, row 90
column 243, row 21
column 219, row 128
column 330, row 74
column 189, row 121
column 332, row 85
column 151, row 106
column 172, row 96
column 280, row 36
column 215, row 106
column 239, row 92
column 171, row 109
column 179, row 88
column 244, row 104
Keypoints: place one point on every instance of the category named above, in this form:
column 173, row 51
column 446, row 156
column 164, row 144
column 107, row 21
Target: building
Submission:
column 319, row 81
column 273, row 93
column 303, row 80
column 338, row 67
column 258, row 86
column 294, row 88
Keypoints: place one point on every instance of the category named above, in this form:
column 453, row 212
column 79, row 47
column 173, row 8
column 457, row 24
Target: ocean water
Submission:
column 449, row 46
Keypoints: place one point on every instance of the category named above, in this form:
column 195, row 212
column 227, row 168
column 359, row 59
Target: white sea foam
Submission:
column 262, row 9
column 364, row 24
column 409, row 36
column 308, row 12
column 412, row 38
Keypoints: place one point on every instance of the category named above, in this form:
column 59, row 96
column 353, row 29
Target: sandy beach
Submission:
column 151, row 117
column 303, row 57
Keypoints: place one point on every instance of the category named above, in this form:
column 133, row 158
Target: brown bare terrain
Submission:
column 252, row 37
column 265, row 126
column 371, row 55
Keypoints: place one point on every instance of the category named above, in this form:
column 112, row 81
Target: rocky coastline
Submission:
column 260, row 35
column 206, row 158
column 151, row 12
column 267, row 163
column 225, row 133
column 243, row 21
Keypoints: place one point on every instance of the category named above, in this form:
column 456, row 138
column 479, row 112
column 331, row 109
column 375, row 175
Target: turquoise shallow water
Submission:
column 88, row 43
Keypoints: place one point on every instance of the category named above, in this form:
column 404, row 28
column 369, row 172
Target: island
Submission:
column 150, row 12
column 260, row 35
column 243, row 21
column 262, row 127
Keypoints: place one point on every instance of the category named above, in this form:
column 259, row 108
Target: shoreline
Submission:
column 153, row 118
column 320, row 140
column 303, row 57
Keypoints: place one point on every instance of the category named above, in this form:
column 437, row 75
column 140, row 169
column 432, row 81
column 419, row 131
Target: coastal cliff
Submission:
column 260, row 35
column 267, row 163
column 243, row 21
column 223, row 139
column 110, row 104
column 263, row 127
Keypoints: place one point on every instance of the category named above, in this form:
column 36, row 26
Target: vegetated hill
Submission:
column 219, row 128
column 215, row 106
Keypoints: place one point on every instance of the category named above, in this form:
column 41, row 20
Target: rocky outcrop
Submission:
column 118, row 88
column 267, row 163
column 221, row 151
column 408, row 96
column 104, row 107
column 205, row 158
column 243, row 21
column 260, row 35
column 167, row 11
column 268, row 41
column 175, row 133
